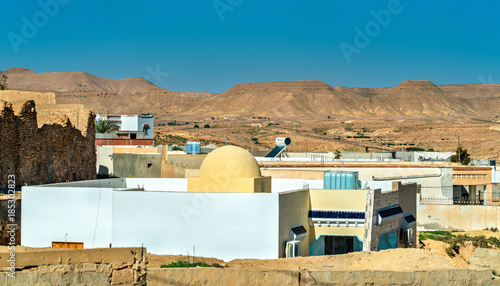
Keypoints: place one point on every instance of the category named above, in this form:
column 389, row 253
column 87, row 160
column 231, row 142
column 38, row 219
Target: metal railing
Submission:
column 450, row 201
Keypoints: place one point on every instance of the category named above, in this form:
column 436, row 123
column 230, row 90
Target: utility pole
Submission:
column 459, row 150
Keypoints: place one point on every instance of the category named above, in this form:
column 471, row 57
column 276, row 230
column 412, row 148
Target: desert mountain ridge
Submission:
column 287, row 99
column 26, row 79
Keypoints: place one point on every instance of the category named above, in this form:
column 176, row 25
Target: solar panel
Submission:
column 298, row 230
column 410, row 218
column 276, row 151
column 336, row 214
column 390, row 211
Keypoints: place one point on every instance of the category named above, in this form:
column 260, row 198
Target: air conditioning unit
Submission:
column 407, row 236
column 293, row 248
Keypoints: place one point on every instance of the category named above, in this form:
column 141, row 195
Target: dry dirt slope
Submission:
column 279, row 100
column 25, row 79
column 318, row 99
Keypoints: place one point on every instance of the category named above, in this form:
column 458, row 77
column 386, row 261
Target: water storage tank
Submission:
column 193, row 147
column 341, row 180
column 283, row 141
column 196, row 147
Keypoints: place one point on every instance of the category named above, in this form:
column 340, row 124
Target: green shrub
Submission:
column 410, row 149
column 183, row 264
column 450, row 252
column 361, row 136
column 196, row 126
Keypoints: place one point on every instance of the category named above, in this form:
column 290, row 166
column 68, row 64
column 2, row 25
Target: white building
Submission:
column 131, row 126
column 227, row 212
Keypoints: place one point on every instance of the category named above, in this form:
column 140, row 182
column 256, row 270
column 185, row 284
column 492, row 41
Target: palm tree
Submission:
column 105, row 126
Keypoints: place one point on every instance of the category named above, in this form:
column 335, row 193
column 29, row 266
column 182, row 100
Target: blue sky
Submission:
column 212, row 45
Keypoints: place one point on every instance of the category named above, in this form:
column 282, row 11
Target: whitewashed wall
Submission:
column 221, row 225
column 284, row 185
column 158, row 184
column 129, row 123
column 66, row 214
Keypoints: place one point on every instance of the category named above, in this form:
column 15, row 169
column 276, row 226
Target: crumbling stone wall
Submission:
column 50, row 154
column 98, row 266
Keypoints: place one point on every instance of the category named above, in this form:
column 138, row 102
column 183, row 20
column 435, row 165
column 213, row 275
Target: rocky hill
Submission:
column 281, row 99
column 25, row 79
column 293, row 99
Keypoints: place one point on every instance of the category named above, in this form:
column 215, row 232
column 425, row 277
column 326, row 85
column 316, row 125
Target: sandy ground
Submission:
column 393, row 259
column 439, row 248
column 486, row 233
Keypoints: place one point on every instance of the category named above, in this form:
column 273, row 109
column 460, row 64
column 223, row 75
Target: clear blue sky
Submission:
column 205, row 49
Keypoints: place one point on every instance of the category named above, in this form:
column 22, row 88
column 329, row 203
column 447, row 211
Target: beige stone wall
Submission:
column 17, row 95
column 255, row 277
column 485, row 258
column 60, row 113
column 104, row 266
column 465, row 217
column 53, row 153
column 47, row 110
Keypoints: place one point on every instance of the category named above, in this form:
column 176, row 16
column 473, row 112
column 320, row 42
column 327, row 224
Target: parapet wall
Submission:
column 105, row 266
column 462, row 217
column 18, row 95
column 50, row 154
column 48, row 111
column 235, row 276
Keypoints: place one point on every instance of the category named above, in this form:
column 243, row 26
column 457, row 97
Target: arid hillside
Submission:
column 280, row 100
column 318, row 117
column 25, row 79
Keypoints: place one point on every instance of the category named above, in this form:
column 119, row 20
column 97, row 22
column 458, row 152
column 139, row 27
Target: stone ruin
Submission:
column 50, row 154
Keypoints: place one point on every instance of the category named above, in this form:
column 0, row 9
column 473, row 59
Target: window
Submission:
column 150, row 165
column 133, row 136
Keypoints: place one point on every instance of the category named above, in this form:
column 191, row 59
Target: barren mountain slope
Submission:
column 281, row 99
column 25, row 79
column 419, row 98
column 472, row 91
column 286, row 100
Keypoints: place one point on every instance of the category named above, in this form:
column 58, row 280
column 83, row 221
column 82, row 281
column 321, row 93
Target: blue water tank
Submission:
column 341, row 180
column 196, row 147
column 193, row 147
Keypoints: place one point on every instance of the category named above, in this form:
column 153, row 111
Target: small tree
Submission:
column 461, row 156
column 206, row 126
column 338, row 154
column 367, row 149
column 196, row 126
column 3, row 82
column 105, row 126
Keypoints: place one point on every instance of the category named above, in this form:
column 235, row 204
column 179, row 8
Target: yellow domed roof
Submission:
column 230, row 161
